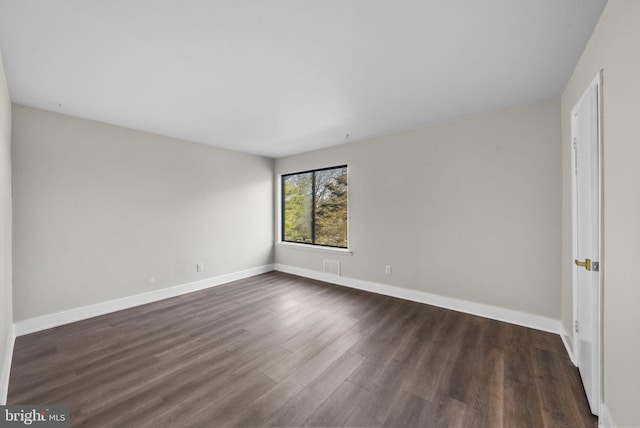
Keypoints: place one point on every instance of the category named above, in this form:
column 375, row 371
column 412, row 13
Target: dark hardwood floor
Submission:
column 279, row 350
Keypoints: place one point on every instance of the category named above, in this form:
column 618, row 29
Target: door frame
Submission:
column 597, row 82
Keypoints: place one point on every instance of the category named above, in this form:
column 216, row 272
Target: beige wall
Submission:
column 615, row 48
column 101, row 210
column 6, row 314
column 468, row 209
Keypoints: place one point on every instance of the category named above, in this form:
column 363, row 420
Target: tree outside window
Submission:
column 315, row 207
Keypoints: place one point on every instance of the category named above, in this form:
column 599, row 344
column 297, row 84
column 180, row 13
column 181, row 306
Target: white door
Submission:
column 585, row 126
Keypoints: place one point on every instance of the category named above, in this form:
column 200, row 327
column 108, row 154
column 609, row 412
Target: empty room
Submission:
column 319, row 213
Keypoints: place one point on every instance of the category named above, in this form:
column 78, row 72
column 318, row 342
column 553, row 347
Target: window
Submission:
column 314, row 207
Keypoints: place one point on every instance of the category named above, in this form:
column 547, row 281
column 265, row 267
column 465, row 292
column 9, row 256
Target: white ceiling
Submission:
column 278, row 77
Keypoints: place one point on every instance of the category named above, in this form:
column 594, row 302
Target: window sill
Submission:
column 318, row 248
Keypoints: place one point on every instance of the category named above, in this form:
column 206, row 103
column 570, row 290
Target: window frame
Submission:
column 312, row 245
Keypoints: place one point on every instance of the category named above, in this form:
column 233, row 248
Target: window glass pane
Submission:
column 298, row 207
column 331, row 207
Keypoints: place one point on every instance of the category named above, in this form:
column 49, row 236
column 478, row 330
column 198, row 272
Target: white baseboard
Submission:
column 501, row 314
column 566, row 340
column 77, row 314
column 6, row 365
column 605, row 420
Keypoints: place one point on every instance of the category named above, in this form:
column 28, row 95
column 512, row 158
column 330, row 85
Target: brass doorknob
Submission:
column 586, row 264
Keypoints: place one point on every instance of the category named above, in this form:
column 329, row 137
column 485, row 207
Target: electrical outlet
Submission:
column 200, row 267
column 387, row 270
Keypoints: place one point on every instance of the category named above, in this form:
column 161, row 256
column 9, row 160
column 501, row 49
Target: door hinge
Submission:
column 575, row 326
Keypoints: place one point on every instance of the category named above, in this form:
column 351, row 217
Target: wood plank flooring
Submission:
column 279, row 350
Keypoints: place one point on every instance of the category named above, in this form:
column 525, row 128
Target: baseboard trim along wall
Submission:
column 33, row 325
column 604, row 419
column 6, row 365
column 493, row 312
column 566, row 340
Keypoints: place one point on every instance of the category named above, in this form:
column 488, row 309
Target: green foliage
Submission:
column 331, row 209
column 297, row 208
column 331, row 202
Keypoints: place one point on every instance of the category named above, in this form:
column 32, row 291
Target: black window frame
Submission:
column 313, row 206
